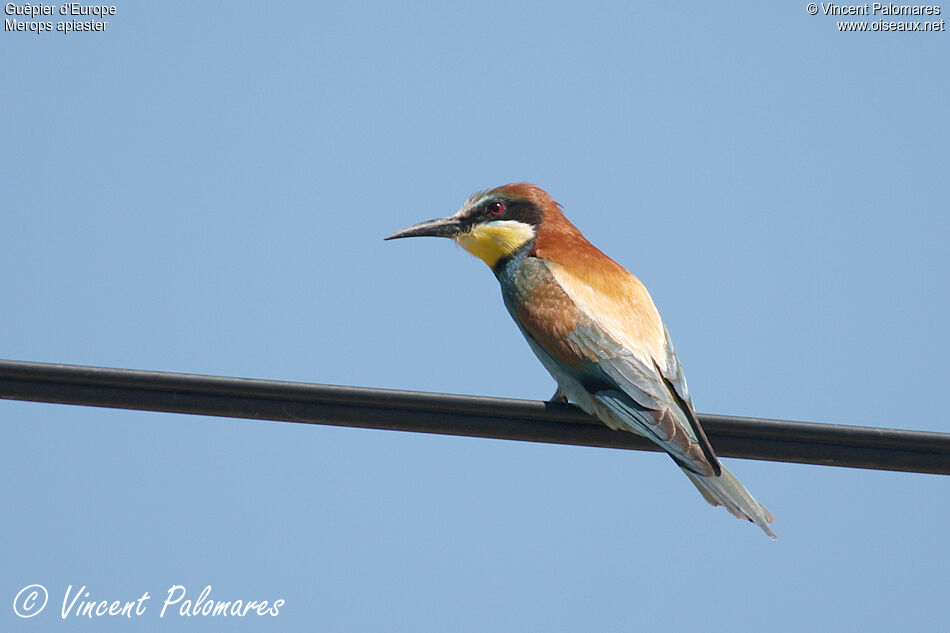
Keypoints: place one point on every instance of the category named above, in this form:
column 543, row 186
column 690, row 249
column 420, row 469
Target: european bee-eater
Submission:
column 594, row 327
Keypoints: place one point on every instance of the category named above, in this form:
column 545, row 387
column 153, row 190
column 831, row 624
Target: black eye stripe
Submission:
column 509, row 209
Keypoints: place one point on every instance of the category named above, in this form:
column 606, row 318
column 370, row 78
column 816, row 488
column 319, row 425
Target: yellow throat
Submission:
column 493, row 241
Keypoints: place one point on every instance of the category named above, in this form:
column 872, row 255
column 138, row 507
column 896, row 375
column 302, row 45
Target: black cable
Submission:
column 528, row 420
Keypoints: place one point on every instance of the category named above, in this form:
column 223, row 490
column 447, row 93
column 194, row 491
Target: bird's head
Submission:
column 491, row 225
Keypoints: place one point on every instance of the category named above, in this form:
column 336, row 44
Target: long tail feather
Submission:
column 726, row 490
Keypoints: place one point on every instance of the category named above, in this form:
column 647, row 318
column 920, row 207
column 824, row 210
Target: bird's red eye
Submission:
column 496, row 207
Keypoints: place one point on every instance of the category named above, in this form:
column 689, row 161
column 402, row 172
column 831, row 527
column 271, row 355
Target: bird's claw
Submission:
column 559, row 397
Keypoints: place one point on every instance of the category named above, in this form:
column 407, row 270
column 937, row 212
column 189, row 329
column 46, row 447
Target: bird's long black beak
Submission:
column 442, row 227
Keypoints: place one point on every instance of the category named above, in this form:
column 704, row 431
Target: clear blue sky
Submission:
column 205, row 187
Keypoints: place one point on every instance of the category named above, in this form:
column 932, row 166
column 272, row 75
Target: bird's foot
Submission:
column 559, row 396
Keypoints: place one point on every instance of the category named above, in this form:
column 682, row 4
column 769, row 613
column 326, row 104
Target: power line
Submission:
column 475, row 416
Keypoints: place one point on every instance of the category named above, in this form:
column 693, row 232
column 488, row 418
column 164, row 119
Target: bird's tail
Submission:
column 726, row 490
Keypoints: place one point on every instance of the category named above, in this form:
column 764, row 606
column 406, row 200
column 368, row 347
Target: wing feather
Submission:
column 641, row 392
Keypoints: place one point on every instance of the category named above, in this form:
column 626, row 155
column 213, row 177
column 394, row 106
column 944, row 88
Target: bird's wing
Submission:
column 615, row 341
column 674, row 376
column 650, row 400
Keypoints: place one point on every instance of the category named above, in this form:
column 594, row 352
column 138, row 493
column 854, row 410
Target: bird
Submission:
column 593, row 326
